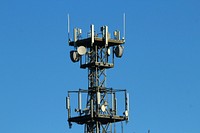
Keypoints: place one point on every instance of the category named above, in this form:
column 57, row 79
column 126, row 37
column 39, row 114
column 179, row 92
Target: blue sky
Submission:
column 160, row 67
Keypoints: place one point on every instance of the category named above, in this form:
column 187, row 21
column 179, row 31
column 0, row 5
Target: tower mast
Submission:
column 96, row 53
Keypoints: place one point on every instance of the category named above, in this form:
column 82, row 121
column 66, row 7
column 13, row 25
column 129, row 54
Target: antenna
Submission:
column 124, row 25
column 68, row 27
column 128, row 102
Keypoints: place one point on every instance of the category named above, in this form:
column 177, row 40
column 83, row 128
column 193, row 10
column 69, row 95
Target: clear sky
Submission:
column 160, row 67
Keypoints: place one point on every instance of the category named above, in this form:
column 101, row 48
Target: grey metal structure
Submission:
column 96, row 53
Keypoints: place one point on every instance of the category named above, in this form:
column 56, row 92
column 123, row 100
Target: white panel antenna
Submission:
column 79, row 101
column 92, row 34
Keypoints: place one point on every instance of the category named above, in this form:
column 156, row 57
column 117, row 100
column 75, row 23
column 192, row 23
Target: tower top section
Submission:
column 103, row 38
column 95, row 43
column 96, row 53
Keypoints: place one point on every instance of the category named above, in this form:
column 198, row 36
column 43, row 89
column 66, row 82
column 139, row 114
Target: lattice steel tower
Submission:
column 96, row 53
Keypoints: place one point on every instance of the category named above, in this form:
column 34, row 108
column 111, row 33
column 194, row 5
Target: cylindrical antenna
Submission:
column 115, row 106
column 67, row 103
column 75, row 36
column 106, row 35
column 126, row 113
column 92, row 34
column 114, row 103
column 68, row 27
column 79, row 101
column 128, row 101
column 112, row 100
column 124, row 25
column 91, row 108
column 98, row 98
column 68, row 106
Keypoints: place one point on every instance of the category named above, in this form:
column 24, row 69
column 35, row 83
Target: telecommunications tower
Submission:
column 97, row 107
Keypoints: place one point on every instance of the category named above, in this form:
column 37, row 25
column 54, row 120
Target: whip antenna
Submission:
column 124, row 26
column 68, row 27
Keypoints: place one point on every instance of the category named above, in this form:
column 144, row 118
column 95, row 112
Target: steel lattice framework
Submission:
column 96, row 54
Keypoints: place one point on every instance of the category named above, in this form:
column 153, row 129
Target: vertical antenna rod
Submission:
column 68, row 27
column 124, row 25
